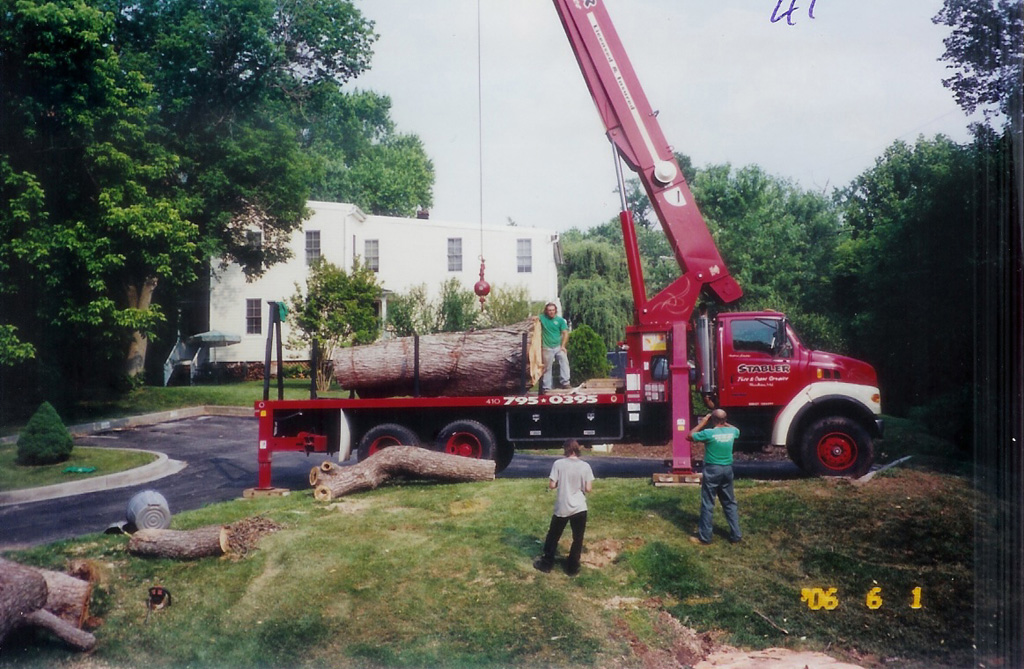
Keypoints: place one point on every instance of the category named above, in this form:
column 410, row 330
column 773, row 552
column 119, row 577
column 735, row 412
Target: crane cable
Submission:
column 482, row 288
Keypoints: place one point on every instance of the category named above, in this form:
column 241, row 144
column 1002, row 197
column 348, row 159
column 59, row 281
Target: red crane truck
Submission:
column 825, row 408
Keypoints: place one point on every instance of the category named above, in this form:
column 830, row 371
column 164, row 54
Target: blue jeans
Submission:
column 717, row 482
column 549, row 356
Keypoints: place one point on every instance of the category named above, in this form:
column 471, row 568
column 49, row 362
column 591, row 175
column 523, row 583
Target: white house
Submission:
column 405, row 252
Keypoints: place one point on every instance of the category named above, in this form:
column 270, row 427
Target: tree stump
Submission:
column 23, row 598
column 408, row 461
column 479, row 362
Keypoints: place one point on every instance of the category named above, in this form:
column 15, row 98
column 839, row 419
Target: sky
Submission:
column 506, row 117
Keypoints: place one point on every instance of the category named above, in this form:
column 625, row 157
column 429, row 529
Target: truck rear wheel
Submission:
column 467, row 438
column 836, row 446
column 384, row 435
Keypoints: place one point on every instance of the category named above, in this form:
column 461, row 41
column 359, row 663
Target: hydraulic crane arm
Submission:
column 633, row 129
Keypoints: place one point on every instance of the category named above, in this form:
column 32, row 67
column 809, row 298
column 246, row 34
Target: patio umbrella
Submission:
column 214, row 338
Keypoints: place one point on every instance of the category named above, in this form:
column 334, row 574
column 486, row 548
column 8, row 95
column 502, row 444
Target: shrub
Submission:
column 588, row 358
column 45, row 440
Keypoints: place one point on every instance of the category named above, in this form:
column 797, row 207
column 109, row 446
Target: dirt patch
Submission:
column 771, row 658
column 603, row 552
column 678, row 647
column 681, row 647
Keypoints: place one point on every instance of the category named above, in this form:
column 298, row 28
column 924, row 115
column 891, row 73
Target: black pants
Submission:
column 578, row 523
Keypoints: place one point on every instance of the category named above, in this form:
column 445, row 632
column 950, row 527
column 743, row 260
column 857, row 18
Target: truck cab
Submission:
column 824, row 407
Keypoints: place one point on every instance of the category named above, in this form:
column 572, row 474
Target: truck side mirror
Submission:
column 780, row 342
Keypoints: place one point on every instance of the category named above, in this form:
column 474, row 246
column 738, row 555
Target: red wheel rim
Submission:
column 837, row 451
column 383, row 442
column 465, row 444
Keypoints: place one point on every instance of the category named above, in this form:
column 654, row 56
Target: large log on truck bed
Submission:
column 478, row 362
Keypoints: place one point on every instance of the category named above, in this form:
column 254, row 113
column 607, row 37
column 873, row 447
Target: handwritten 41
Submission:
column 788, row 14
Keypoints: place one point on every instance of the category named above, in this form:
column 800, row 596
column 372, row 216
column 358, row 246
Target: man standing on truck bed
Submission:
column 554, row 336
column 717, row 477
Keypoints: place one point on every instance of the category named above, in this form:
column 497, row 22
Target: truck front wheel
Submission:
column 384, row 435
column 467, row 438
column 836, row 446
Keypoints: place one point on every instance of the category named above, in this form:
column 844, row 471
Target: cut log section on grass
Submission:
column 479, row 362
column 177, row 544
column 67, row 597
column 23, row 600
column 324, row 470
column 402, row 461
column 235, row 539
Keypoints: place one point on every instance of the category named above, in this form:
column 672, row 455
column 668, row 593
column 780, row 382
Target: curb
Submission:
column 149, row 419
column 161, row 467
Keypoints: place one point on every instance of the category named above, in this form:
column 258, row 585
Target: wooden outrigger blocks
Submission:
column 669, row 479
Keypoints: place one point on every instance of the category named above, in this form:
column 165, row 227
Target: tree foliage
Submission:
column 45, row 440
column 595, row 287
column 363, row 159
column 588, row 355
column 905, row 271
column 985, row 50
column 337, row 309
column 138, row 141
column 232, row 78
column 86, row 225
column 457, row 308
column 777, row 240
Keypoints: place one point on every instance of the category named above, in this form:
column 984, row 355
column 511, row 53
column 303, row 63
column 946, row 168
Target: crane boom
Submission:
column 633, row 129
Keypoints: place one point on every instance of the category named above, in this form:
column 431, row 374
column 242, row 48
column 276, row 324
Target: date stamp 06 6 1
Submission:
column 828, row 599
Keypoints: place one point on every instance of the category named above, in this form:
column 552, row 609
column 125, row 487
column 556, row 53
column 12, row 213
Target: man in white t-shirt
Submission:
column 571, row 478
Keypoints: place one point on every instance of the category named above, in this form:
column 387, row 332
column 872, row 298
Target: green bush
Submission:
column 45, row 440
column 588, row 358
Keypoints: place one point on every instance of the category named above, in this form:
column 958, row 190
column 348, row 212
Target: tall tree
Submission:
column 231, row 77
column 905, row 273
column 595, row 287
column 776, row 238
column 363, row 159
column 985, row 50
column 86, row 227
column 778, row 241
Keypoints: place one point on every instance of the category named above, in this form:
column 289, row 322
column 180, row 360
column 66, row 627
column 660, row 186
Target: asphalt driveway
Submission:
column 217, row 462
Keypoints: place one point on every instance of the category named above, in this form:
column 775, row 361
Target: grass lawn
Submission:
column 417, row 574
column 102, row 460
column 423, row 575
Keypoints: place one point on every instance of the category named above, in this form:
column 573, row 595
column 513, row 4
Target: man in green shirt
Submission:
column 718, row 476
column 554, row 336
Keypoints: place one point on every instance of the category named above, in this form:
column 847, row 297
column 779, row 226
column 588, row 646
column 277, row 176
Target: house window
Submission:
column 254, row 239
column 524, row 256
column 454, row 254
column 312, row 246
column 372, row 254
column 253, row 317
